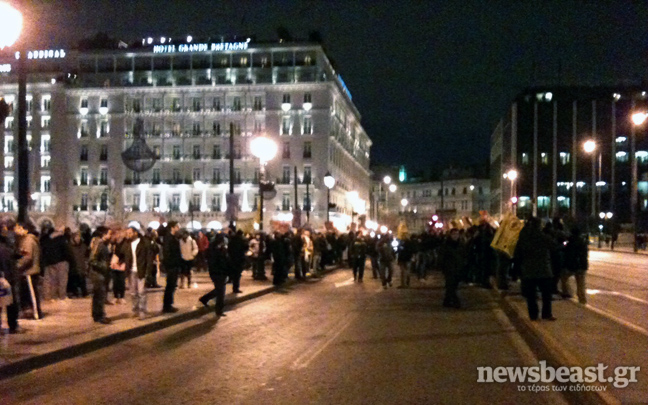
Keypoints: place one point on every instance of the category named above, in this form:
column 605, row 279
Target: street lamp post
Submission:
column 638, row 118
column 590, row 147
column 512, row 176
column 265, row 149
column 329, row 182
column 11, row 23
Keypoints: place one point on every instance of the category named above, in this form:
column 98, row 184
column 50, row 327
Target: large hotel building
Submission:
column 188, row 98
column 543, row 137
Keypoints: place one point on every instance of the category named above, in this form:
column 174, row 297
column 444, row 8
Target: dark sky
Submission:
column 430, row 78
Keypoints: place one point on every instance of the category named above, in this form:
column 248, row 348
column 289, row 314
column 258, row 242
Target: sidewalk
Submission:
column 67, row 330
column 583, row 337
column 619, row 249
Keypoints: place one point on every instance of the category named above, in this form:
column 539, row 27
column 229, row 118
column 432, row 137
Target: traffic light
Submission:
column 4, row 110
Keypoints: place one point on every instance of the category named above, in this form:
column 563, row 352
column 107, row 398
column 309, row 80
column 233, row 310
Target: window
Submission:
column 216, row 203
column 195, row 202
column 175, row 129
column 103, row 129
column 157, row 104
column 216, row 177
column 45, row 161
column 45, row 145
column 216, row 152
column 285, row 202
column 156, row 200
column 156, row 176
column 286, row 150
column 196, row 151
column 196, row 104
column 237, row 176
column 84, row 153
column 176, row 175
column 136, row 201
column 621, row 139
column 564, row 158
column 84, row 129
column 45, row 122
column 285, row 126
column 196, row 174
column 642, row 156
column 307, row 203
column 453, row 191
column 286, row 175
column 465, row 190
column 286, row 98
column 103, row 103
column 216, row 104
column 621, row 157
column 257, row 172
column 175, row 105
column 244, row 61
column 156, row 151
column 196, row 129
column 216, row 127
column 258, row 126
column 84, row 103
column 481, row 191
column 258, row 103
column 84, row 177
column 45, row 184
column 307, row 98
column 307, row 150
column 103, row 176
column 176, row 152
column 308, row 126
column 103, row 153
column 47, row 103
column 236, row 104
column 84, row 202
column 525, row 158
column 137, row 178
column 544, row 158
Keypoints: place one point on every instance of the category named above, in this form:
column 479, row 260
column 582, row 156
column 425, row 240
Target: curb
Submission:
column 42, row 360
column 549, row 349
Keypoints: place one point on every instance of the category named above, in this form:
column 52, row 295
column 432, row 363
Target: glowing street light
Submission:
column 639, row 118
column 11, row 22
column 512, row 174
column 387, row 180
column 265, row 149
column 589, row 146
column 392, row 188
column 329, row 182
column 404, row 202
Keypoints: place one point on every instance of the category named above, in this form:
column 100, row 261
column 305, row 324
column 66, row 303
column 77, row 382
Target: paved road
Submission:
column 618, row 286
column 329, row 341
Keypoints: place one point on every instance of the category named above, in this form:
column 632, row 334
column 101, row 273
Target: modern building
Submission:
column 188, row 97
column 458, row 195
column 542, row 137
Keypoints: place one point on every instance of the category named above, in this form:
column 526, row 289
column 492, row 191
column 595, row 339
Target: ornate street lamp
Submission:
column 329, row 182
column 139, row 157
column 265, row 149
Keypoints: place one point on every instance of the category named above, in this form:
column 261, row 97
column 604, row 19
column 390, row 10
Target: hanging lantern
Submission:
column 139, row 157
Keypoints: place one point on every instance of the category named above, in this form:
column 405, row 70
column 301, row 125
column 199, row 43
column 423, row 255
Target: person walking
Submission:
column 118, row 248
column 576, row 263
column 218, row 265
column 172, row 258
column 405, row 256
column 452, row 259
column 99, row 269
column 188, row 251
column 533, row 256
column 386, row 260
column 358, row 257
column 139, row 260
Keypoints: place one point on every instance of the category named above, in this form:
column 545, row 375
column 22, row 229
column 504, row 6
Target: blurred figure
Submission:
column 188, row 251
column 79, row 266
column 576, row 263
column 9, row 271
column 139, row 260
column 386, row 260
column 358, row 257
column 118, row 247
column 55, row 259
column 99, row 269
column 452, row 259
column 533, row 256
column 28, row 264
column 218, row 264
column 237, row 248
column 172, row 264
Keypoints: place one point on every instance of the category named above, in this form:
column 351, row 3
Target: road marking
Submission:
column 305, row 359
column 344, row 283
column 615, row 318
column 616, row 293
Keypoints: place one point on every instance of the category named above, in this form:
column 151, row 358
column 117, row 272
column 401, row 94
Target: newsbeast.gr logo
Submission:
column 547, row 374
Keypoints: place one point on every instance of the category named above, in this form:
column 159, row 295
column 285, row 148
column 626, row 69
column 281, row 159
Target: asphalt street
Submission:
column 328, row 341
column 617, row 286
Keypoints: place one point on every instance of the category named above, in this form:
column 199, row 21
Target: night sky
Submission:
column 430, row 78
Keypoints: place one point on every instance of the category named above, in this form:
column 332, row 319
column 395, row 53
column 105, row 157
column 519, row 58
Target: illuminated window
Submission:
column 564, row 158
column 525, row 158
column 621, row 157
column 244, row 61
column 544, row 158
column 308, row 126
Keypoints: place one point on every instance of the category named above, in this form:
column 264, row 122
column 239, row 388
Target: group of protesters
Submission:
column 55, row 263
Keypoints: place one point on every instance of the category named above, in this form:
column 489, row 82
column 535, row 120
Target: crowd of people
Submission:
column 57, row 264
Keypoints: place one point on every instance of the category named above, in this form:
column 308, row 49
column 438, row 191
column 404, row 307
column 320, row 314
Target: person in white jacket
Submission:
column 189, row 251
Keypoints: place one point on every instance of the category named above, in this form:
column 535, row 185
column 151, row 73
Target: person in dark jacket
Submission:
column 237, row 248
column 172, row 263
column 55, row 260
column 533, row 256
column 406, row 252
column 576, row 263
column 99, row 269
column 279, row 259
column 79, row 266
column 452, row 259
column 358, row 257
column 218, row 263
column 9, row 271
column 298, row 254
